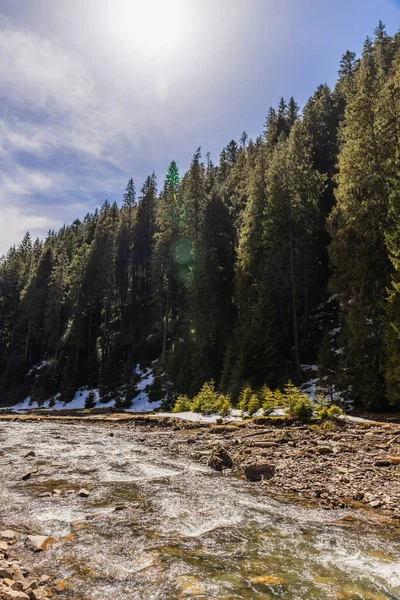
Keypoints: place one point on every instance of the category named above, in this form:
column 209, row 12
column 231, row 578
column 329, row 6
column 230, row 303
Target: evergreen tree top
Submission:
column 172, row 177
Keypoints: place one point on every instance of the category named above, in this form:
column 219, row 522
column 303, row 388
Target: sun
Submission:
column 148, row 27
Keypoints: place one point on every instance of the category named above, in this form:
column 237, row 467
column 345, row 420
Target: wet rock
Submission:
column 83, row 493
column 38, row 543
column 259, row 472
column 220, row 459
column 29, row 474
column 190, row 586
column 268, row 580
column 8, row 534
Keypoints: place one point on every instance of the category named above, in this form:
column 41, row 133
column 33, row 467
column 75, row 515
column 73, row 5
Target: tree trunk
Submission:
column 294, row 311
column 164, row 348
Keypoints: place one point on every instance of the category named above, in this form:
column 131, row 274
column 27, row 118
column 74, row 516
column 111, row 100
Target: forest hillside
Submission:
column 284, row 253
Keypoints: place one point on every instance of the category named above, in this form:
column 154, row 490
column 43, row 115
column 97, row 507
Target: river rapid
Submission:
column 180, row 530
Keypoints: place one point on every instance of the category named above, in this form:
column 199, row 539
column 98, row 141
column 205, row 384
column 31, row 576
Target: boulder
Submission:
column 17, row 574
column 37, row 594
column 29, row 474
column 15, row 595
column 6, row 572
column 8, row 534
column 375, row 503
column 220, row 459
column 10, row 583
column 259, row 472
column 38, row 543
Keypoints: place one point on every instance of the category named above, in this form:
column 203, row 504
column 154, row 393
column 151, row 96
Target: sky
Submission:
column 93, row 92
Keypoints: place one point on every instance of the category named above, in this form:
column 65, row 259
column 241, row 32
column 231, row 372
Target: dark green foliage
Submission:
column 90, row 400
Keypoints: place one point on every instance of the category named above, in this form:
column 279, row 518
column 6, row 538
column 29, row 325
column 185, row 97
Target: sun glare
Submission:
column 149, row 27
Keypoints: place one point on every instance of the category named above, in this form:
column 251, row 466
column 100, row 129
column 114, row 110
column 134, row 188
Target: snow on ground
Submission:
column 139, row 404
column 141, row 401
column 198, row 417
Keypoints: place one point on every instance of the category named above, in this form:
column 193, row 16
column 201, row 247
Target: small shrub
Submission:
column 254, row 404
column 206, row 401
column 328, row 412
column 182, row 404
column 302, row 408
column 90, row 400
column 225, row 405
column 244, row 398
column 278, row 399
column 267, row 399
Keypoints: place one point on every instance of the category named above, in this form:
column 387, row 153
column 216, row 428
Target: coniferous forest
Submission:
column 283, row 253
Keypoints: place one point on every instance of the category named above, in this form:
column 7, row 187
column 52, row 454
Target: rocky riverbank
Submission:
column 16, row 581
column 334, row 465
column 351, row 464
column 127, row 509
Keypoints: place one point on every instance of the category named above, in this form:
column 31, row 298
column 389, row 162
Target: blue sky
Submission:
column 93, row 92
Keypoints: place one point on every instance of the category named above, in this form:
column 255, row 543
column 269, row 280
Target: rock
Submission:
column 31, row 453
column 15, row 595
column 44, row 579
column 268, row 580
column 14, row 585
column 324, row 450
column 83, row 493
column 37, row 594
column 38, row 543
column 190, row 586
column 120, row 507
column 28, row 474
column 220, row 459
column 265, row 444
column 375, row 503
column 394, row 460
column 5, row 572
column 259, row 472
column 8, row 534
column 30, row 586
column 3, row 546
column 16, row 573
column 382, row 463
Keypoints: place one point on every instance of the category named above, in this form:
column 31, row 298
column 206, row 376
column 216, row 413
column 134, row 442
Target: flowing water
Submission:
column 186, row 532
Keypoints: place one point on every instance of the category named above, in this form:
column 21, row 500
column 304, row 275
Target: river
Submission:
column 182, row 530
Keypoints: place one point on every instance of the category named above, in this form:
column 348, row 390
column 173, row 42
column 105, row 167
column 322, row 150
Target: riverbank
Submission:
column 134, row 511
column 335, row 465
